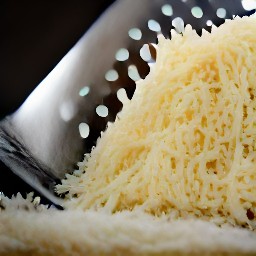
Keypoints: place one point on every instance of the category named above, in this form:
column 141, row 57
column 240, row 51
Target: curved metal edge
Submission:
column 18, row 158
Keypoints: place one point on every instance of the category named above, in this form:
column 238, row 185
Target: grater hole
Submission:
column 111, row 75
column 178, row 23
column 84, row 130
column 197, row 12
column 167, row 10
column 84, row 91
column 102, row 111
column 154, row 26
column 249, row 5
column 209, row 23
column 122, row 54
column 122, row 95
column 67, row 110
column 133, row 73
column 221, row 13
column 145, row 53
column 135, row 33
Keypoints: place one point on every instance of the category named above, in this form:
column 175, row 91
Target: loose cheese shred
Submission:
column 185, row 145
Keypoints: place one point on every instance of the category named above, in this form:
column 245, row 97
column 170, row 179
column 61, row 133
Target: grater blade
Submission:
column 62, row 119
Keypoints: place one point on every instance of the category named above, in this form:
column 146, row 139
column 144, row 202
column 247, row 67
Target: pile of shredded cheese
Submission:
column 185, row 145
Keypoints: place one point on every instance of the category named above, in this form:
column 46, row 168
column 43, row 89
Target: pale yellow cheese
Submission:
column 185, row 144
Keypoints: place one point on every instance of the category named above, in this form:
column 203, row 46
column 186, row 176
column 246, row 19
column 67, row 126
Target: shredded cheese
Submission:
column 185, row 145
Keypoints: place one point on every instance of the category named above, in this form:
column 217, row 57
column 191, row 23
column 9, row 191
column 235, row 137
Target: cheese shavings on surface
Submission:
column 185, row 145
column 27, row 228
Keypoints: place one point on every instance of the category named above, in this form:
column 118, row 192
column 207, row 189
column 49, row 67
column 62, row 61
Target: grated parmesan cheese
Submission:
column 185, row 145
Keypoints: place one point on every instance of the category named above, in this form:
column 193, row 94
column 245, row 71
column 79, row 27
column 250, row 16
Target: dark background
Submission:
column 35, row 35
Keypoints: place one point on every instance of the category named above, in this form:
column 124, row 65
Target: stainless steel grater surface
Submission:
column 62, row 119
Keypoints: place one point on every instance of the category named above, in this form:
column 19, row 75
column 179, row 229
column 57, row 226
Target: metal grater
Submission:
column 62, row 119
